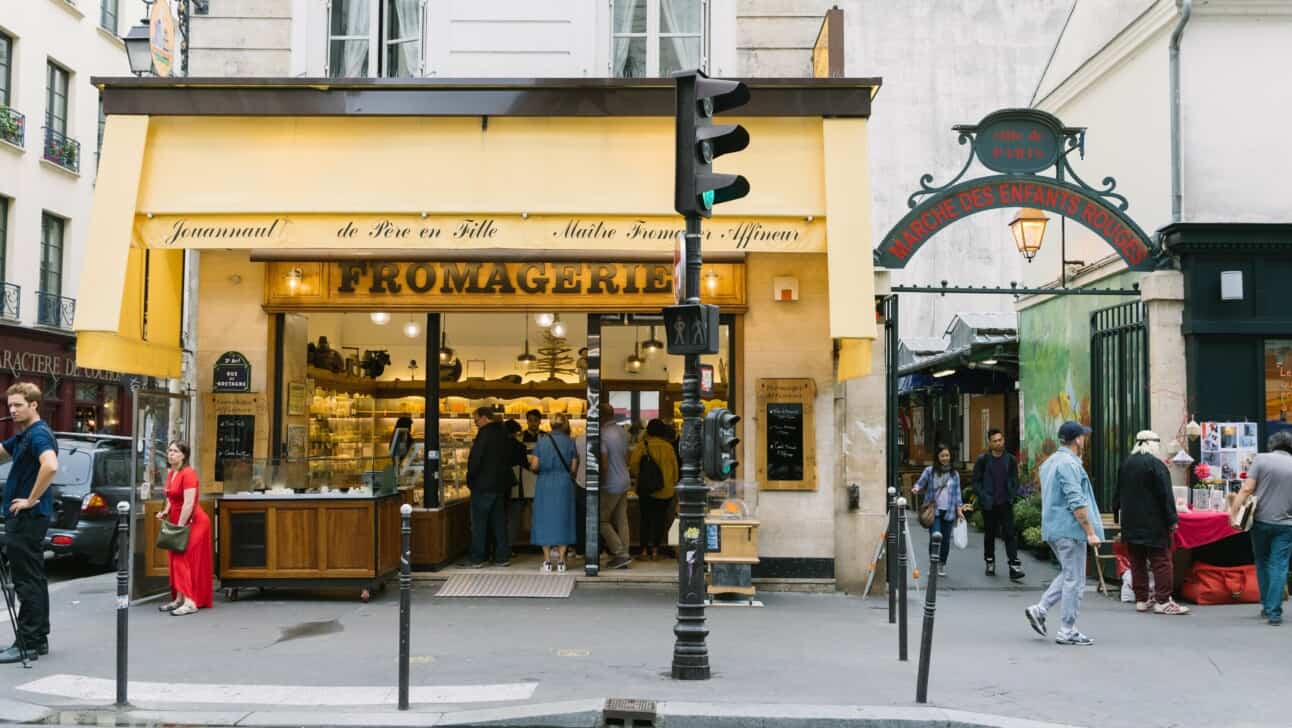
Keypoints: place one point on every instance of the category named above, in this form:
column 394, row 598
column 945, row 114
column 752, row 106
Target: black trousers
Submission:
column 489, row 513
column 999, row 521
column 25, row 534
column 654, row 521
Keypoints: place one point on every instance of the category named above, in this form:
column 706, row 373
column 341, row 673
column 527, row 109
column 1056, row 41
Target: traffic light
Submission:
column 720, row 441
column 697, row 188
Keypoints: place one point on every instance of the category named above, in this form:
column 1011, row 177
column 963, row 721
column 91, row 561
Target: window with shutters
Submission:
column 655, row 38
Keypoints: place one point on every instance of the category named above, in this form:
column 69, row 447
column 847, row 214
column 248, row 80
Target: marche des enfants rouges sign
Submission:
column 1018, row 144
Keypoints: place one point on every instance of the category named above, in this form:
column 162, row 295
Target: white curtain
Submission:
column 624, row 45
column 356, row 51
column 408, row 16
column 688, row 53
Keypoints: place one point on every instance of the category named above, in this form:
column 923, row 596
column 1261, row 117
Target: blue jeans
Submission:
column 944, row 527
column 1069, row 584
column 1271, row 545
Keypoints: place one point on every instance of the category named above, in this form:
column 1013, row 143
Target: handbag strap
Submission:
column 559, row 456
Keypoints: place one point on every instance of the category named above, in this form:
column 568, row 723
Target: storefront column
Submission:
column 1163, row 296
column 431, row 415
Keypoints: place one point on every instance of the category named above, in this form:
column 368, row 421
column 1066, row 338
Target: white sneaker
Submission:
column 1144, row 606
column 1169, row 607
column 1073, row 638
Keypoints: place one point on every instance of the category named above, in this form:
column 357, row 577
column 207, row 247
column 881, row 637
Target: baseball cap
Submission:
column 1070, row 431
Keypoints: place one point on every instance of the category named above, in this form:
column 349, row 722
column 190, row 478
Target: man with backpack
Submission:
column 653, row 465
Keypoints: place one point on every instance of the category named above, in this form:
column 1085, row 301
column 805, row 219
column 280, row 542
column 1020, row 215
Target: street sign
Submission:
column 232, row 373
column 691, row 328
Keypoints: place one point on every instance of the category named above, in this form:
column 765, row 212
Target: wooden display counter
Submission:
column 441, row 535
column 325, row 541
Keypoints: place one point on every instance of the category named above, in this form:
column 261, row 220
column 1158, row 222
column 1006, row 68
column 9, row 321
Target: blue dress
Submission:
column 553, row 492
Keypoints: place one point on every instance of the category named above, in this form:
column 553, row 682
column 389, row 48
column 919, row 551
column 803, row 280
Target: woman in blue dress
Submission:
column 555, row 459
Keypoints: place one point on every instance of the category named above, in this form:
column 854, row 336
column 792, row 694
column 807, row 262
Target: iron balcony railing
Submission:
column 13, row 126
column 11, row 302
column 62, row 150
column 55, row 311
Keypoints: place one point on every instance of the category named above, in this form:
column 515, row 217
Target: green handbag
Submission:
column 172, row 537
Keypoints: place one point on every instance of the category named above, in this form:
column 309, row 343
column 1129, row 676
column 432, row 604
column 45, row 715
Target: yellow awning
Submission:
column 854, row 359
column 134, row 329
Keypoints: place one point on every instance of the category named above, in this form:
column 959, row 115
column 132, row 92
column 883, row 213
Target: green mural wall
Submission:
column 1054, row 367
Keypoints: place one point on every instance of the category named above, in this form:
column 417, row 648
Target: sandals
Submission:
column 560, row 567
column 181, row 611
column 547, row 567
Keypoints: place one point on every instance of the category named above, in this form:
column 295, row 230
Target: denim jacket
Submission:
column 953, row 491
column 1065, row 487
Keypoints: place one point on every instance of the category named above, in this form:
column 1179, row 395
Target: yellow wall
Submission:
column 791, row 340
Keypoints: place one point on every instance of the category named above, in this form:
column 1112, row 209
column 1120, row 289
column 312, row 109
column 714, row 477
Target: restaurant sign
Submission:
column 34, row 363
column 1019, row 143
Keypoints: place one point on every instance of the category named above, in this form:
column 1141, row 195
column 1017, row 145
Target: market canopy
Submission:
column 433, row 165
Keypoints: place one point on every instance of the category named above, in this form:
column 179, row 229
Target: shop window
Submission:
column 375, row 38
column 654, row 38
column 1278, row 385
column 111, row 417
column 87, row 392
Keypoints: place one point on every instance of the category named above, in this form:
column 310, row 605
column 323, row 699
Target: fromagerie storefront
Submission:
column 373, row 261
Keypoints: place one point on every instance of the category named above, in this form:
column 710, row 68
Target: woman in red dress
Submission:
column 192, row 570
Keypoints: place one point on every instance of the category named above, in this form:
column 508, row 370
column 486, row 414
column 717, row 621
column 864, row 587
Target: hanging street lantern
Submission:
column 1028, row 228
column 139, row 49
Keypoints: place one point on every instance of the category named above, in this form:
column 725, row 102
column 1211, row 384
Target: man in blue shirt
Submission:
column 1069, row 520
column 28, row 508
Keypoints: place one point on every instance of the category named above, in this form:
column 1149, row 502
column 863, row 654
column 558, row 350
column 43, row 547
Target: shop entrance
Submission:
column 352, row 380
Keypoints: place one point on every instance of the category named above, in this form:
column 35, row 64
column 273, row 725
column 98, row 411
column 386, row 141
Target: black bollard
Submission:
column 901, row 579
column 930, row 606
column 123, row 599
column 890, row 556
column 405, row 599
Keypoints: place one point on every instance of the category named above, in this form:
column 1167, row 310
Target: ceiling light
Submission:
column 446, row 354
column 544, row 319
column 411, row 329
column 526, row 360
column 381, row 318
column 558, row 327
column 944, row 373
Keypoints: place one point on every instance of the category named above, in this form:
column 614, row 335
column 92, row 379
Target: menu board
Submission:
column 785, row 443
column 235, row 439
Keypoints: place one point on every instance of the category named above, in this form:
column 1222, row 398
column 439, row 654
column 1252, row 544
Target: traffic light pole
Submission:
column 690, row 652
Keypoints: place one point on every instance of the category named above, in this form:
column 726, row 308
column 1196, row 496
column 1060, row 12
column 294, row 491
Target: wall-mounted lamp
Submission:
column 1231, row 285
column 711, row 280
column 294, row 278
column 139, row 52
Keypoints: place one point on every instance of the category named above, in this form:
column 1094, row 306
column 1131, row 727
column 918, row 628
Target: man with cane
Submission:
column 28, row 508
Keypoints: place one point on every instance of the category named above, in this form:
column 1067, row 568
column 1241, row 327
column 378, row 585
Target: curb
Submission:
column 567, row 714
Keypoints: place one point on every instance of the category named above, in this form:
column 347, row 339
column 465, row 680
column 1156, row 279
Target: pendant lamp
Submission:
column 652, row 344
column 526, row 360
column 446, row 354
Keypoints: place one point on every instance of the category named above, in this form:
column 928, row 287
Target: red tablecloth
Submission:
column 1199, row 528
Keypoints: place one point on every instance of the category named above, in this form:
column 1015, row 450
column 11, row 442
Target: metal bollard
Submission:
column 930, row 606
column 890, row 556
column 405, row 598
column 123, row 599
column 901, row 579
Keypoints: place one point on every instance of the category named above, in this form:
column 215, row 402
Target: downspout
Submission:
column 1186, row 9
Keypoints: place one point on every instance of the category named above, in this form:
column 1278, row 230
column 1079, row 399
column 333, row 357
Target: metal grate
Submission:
column 629, row 713
column 540, row 586
column 1119, row 386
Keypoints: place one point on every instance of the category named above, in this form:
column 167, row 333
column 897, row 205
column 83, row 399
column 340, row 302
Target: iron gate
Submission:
column 1119, row 403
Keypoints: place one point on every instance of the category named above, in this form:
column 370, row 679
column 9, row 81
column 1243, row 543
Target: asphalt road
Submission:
column 63, row 569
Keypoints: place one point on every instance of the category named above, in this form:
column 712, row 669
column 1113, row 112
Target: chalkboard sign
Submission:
column 784, row 441
column 232, row 373
column 235, row 439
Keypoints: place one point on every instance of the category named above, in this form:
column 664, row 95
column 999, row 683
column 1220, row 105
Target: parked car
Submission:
column 93, row 476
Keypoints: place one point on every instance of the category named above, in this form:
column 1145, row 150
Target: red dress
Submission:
column 192, row 572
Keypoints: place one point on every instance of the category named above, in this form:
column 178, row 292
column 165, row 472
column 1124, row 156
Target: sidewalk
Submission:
column 330, row 657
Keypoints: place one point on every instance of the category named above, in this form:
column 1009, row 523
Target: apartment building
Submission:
column 51, row 127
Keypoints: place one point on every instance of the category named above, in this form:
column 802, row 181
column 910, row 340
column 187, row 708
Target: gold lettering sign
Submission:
column 483, row 285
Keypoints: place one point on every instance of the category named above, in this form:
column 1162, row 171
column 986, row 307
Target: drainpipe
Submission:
column 1186, row 9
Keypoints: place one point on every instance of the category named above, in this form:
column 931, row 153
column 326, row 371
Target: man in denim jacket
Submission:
column 1069, row 520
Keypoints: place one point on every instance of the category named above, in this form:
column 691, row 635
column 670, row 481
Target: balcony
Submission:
column 62, row 150
column 11, row 302
column 13, row 126
column 54, row 311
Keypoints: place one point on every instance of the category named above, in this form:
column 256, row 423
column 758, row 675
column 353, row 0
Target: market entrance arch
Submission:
column 1027, row 154
column 1018, row 144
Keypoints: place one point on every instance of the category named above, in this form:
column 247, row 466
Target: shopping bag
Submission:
column 960, row 534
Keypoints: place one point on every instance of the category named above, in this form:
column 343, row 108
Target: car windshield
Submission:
column 73, row 467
